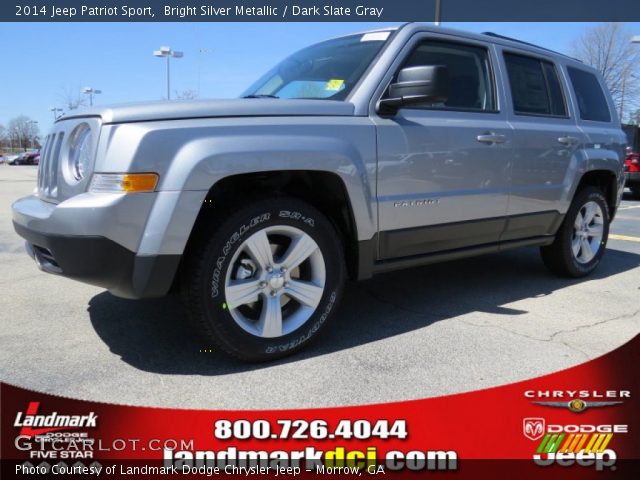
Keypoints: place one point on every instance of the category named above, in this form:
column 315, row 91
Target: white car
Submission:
column 9, row 158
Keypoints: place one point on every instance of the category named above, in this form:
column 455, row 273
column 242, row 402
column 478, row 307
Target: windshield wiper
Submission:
column 261, row 96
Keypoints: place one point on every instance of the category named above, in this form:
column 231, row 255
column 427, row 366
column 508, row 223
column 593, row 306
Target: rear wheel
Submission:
column 263, row 282
column 582, row 238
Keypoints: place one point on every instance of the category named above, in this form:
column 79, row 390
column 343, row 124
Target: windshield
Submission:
column 327, row 70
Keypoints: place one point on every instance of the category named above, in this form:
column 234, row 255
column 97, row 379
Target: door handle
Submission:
column 567, row 140
column 491, row 138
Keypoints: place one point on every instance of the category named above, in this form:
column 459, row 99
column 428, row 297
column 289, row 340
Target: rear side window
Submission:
column 591, row 100
column 470, row 84
column 535, row 88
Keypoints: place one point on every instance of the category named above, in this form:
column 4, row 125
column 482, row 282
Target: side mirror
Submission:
column 416, row 85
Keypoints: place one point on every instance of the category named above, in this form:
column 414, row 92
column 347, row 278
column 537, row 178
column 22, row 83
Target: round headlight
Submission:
column 80, row 150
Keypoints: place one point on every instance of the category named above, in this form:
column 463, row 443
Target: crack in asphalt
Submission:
column 552, row 337
column 595, row 324
column 524, row 335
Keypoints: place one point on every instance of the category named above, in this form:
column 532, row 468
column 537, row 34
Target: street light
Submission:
column 438, row 12
column 167, row 53
column 55, row 110
column 634, row 39
column 91, row 92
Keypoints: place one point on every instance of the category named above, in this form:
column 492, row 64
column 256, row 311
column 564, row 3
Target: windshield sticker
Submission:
column 334, row 84
column 375, row 36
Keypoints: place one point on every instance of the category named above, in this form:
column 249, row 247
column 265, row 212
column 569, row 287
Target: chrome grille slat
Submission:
column 50, row 165
column 42, row 174
column 53, row 186
column 45, row 186
column 46, row 171
column 43, row 162
column 48, row 168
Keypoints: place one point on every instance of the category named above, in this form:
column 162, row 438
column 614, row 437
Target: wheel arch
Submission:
column 607, row 181
column 324, row 190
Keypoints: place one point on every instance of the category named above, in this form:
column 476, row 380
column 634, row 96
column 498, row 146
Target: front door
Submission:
column 443, row 169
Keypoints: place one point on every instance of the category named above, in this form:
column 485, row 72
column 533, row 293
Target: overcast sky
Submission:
column 39, row 61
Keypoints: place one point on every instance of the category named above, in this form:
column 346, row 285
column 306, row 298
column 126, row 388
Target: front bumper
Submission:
column 94, row 239
column 101, row 262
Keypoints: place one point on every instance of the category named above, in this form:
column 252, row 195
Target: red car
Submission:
column 632, row 169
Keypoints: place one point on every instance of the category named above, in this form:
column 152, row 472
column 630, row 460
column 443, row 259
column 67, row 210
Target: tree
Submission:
column 71, row 98
column 4, row 140
column 23, row 132
column 608, row 48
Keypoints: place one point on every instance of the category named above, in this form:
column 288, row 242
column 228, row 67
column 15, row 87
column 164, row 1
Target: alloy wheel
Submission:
column 275, row 281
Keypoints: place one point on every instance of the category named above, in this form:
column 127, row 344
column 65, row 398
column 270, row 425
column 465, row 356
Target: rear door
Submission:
column 546, row 141
column 443, row 169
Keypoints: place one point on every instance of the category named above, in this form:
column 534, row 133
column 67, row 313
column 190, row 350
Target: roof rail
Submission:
column 504, row 37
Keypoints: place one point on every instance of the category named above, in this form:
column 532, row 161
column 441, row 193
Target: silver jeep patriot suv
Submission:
column 358, row 155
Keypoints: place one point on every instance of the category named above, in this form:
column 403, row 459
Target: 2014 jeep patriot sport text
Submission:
column 358, row 155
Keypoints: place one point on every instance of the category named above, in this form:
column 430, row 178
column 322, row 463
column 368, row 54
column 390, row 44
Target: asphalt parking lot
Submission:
column 429, row 331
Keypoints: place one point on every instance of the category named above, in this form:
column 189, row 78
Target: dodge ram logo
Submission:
column 533, row 428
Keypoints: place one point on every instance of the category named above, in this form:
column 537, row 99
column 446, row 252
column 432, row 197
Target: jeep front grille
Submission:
column 48, row 167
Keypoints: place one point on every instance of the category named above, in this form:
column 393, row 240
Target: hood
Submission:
column 241, row 107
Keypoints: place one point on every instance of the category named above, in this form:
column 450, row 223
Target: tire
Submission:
column 236, row 278
column 581, row 240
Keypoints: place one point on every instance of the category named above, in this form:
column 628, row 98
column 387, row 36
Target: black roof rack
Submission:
column 504, row 37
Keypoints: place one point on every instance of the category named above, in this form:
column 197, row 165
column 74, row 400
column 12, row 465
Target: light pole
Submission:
column 91, row 92
column 32, row 122
column 438, row 12
column 55, row 114
column 634, row 39
column 167, row 53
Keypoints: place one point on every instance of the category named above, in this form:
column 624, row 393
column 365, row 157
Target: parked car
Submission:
column 632, row 172
column 27, row 158
column 258, row 208
column 10, row 158
column 19, row 159
column 31, row 158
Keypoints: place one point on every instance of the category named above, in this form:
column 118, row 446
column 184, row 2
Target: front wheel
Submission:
column 582, row 238
column 263, row 282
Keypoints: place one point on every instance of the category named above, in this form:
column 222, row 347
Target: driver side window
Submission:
column 470, row 84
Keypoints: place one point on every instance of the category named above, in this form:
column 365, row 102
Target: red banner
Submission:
column 582, row 422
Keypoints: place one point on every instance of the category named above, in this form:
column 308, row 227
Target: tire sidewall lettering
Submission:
column 227, row 248
column 297, row 216
column 225, row 239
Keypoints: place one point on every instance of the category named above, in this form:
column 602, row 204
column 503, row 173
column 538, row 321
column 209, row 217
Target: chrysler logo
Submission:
column 577, row 405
